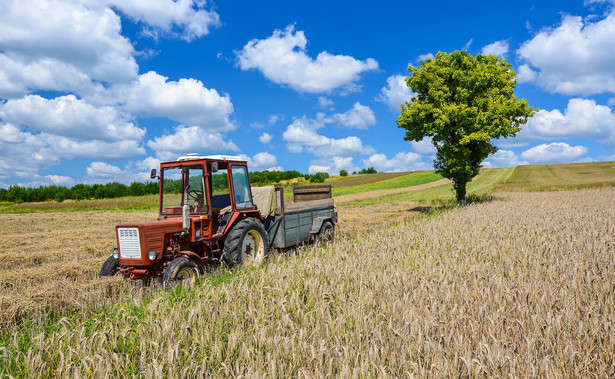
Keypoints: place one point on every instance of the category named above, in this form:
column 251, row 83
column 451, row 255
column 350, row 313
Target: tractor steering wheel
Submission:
column 195, row 194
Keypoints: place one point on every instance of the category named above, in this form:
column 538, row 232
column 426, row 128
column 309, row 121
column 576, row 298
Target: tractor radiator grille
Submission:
column 128, row 240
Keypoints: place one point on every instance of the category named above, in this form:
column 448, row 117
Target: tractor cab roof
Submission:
column 196, row 156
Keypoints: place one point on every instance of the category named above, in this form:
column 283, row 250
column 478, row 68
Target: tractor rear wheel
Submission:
column 327, row 232
column 110, row 267
column 246, row 244
column 180, row 270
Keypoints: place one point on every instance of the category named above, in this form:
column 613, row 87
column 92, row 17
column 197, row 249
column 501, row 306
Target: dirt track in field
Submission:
column 379, row 193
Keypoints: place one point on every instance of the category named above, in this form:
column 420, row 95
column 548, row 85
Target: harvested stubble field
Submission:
column 520, row 286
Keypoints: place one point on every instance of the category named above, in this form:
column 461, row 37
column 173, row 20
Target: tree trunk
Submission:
column 460, row 190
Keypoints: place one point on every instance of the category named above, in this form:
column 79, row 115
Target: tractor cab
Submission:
column 210, row 189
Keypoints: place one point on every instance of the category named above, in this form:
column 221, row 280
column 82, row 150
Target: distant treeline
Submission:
column 17, row 194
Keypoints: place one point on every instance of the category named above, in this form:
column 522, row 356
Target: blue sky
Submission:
column 97, row 91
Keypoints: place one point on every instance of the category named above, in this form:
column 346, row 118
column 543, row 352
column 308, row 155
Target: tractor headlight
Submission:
column 116, row 253
column 152, row 255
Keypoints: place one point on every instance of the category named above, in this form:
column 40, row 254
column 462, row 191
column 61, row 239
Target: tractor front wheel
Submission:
column 110, row 267
column 180, row 270
column 246, row 244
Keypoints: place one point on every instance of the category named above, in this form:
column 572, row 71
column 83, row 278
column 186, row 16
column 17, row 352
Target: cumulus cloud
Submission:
column 25, row 153
column 189, row 138
column 282, row 58
column 395, row 93
column 582, row 118
column 525, row 74
column 186, row 101
column 301, row 135
column 403, row 161
column 167, row 16
column 70, row 117
column 576, row 57
column 59, row 39
column 359, row 117
column 103, row 170
column 503, row 158
column 497, row 48
column 332, row 165
column 265, row 138
column 556, row 152
column 424, row 57
column 425, row 146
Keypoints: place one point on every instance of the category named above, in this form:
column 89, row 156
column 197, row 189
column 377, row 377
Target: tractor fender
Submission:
column 193, row 257
column 317, row 224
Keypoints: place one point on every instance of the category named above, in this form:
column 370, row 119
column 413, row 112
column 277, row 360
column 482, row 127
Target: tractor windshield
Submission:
column 181, row 181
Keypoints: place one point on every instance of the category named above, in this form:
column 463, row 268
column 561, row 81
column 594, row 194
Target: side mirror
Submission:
column 153, row 174
column 214, row 166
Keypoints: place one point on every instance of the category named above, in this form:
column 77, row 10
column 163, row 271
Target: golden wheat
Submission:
column 522, row 286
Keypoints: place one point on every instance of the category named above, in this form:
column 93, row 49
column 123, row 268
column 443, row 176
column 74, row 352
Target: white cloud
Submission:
column 556, row 152
column 58, row 39
column 60, row 180
column 265, row 138
column 324, row 101
column 576, row 57
column 186, row 101
column 189, row 16
column 395, row 93
column 25, row 153
column 582, row 119
column 301, row 134
column 424, row 57
column 497, row 48
column 264, row 159
column 189, row 138
column 359, row 117
column 332, row 165
column 282, row 58
column 503, row 158
column 425, row 146
column 526, row 74
column 70, row 117
column 103, row 170
column 400, row 162
column 274, row 118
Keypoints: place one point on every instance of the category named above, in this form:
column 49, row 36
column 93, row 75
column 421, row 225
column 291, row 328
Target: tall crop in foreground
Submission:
column 462, row 103
column 472, row 292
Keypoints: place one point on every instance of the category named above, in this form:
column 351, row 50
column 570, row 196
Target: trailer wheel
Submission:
column 246, row 244
column 327, row 232
column 180, row 270
column 110, row 267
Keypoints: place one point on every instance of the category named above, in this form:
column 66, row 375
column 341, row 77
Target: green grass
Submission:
column 123, row 204
column 413, row 179
column 484, row 183
column 560, row 177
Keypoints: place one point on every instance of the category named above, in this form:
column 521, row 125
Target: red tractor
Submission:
column 208, row 215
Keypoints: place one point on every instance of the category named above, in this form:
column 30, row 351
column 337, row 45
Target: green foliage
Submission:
column 319, row 177
column 19, row 194
column 462, row 103
column 268, row 177
column 370, row 170
column 343, row 173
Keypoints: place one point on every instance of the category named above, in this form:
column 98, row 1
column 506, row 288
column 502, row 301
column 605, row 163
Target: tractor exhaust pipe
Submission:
column 186, row 212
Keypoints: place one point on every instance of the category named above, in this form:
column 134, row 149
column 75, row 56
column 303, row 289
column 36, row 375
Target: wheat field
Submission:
column 520, row 286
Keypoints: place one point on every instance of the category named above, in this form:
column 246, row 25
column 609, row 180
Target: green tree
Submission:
column 462, row 102
column 343, row 173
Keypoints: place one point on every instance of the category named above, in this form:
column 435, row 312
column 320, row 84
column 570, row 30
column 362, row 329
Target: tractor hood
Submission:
column 135, row 241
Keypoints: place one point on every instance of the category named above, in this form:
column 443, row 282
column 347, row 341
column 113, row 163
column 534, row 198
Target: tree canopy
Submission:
column 462, row 103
